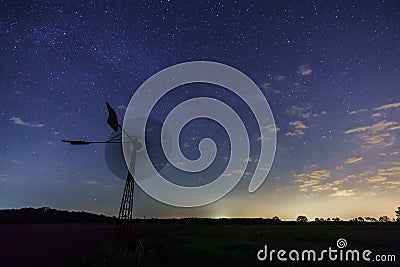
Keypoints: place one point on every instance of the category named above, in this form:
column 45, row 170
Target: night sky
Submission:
column 330, row 72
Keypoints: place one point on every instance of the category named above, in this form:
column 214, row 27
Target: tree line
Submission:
column 303, row 218
column 49, row 215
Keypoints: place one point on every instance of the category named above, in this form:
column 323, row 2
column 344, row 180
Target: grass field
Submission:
column 237, row 245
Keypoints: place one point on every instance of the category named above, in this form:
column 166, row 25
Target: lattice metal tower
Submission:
column 123, row 229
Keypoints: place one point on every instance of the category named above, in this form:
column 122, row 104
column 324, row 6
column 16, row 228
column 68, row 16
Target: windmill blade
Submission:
column 112, row 118
column 76, row 142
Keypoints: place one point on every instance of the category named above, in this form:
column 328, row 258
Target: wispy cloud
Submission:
column 303, row 112
column 5, row 178
column 343, row 193
column 379, row 114
column 91, row 182
column 298, row 128
column 272, row 128
column 266, row 86
column 94, row 182
column 382, row 125
column 297, row 110
column 18, row 120
column 358, row 111
column 298, row 125
column 376, row 135
column 376, row 179
column 316, row 174
column 294, row 133
column 305, row 70
column 394, row 152
column 353, row 160
column 312, row 181
column 384, row 178
column 388, row 106
column 382, row 139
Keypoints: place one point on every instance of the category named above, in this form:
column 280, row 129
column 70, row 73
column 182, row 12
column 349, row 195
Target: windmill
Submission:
column 123, row 228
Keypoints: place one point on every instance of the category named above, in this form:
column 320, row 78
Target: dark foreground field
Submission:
column 189, row 245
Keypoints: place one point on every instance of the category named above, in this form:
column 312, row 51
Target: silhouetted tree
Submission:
column 370, row 219
column 276, row 218
column 360, row 219
column 398, row 214
column 336, row 219
column 302, row 218
column 384, row 219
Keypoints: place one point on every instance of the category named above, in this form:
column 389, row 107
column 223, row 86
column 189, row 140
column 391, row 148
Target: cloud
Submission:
column 394, row 152
column 5, row 178
column 296, row 110
column 343, row 193
column 295, row 133
column 306, row 115
column 121, row 107
column 18, row 120
column 266, row 86
column 312, row 181
column 388, row 106
column 383, row 140
column 298, row 128
column 379, row 114
column 390, row 172
column 93, row 182
column 394, row 128
column 305, row 70
column 378, row 134
column 380, row 178
column 376, row 179
column 317, row 174
column 271, row 127
column 303, row 112
column 380, row 126
column 298, row 125
column 392, row 182
column 358, row 111
column 262, row 137
column 249, row 159
column 353, row 160
column 279, row 77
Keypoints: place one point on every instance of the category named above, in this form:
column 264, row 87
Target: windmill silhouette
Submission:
column 123, row 230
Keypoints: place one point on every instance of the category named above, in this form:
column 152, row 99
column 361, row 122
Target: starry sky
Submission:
column 330, row 72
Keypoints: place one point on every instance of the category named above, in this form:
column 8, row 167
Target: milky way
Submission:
column 329, row 71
